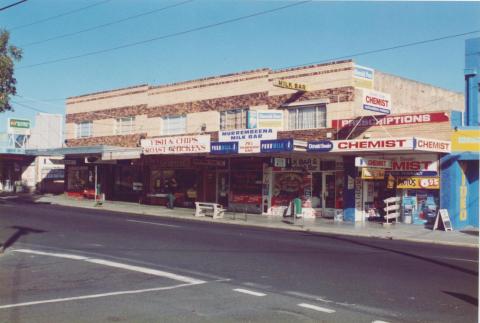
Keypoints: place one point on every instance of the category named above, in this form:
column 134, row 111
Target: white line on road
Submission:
column 114, row 264
column 457, row 259
column 380, row 322
column 317, row 308
column 155, row 223
column 58, row 300
column 249, row 292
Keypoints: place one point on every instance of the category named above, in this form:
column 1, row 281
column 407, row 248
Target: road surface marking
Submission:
column 317, row 308
column 114, row 264
column 155, row 223
column 67, row 299
column 309, row 296
column 249, row 292
column 380, row 322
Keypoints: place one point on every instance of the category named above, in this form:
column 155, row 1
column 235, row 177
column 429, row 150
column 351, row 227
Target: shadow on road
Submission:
column 463, row 297
column 403, row 253
column 20, row 231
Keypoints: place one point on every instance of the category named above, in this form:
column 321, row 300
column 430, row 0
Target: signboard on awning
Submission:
column 372, row 162
column 440, row 146
column 221, row 148
column 380, row 144
column 432, row 183
column 273, row 146
column 176, row 145
column 121, row 154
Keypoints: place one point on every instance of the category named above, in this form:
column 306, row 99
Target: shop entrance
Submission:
column 223, row 188
column 324, row 193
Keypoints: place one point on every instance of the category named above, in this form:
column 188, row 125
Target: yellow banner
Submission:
column 466, row 140
column 373, row 173
column 431, row 183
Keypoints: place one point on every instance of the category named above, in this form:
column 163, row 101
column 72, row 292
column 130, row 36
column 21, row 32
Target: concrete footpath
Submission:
column 398, row 231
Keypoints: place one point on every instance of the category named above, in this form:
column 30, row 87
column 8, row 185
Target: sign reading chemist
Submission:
column 376, row 101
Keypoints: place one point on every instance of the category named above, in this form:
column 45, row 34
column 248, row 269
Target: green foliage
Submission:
column 9, row 54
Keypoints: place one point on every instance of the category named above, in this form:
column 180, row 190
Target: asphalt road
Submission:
column 77, row 265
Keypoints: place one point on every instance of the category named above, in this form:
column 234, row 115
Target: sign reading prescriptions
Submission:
column 376, row 101
column 432, row 145
column 392, row 120
column 176, row 145
column 373, row 144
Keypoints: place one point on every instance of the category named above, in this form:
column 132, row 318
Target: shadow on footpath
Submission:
column 463, row 297
column 403, row 253
column 20, row 231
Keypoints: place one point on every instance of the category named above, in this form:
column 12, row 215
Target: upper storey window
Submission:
column 84, row 129
column 174, row 125
column 307, row 117
column 233, row 119
column 125, row 126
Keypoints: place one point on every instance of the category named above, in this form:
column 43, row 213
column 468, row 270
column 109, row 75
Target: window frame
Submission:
column 320, row 109
column 168, row 130
column 80, row 129
column 243, row 119
column 120, row 125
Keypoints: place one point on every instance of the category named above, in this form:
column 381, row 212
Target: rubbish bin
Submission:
column 298, row 207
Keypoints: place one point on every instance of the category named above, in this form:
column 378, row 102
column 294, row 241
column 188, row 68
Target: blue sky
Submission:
column 311, row 32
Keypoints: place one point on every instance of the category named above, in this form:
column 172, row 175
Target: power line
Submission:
column 60, row 15
column 12, row 5
column 105, row 24
column 374, row 51
column 224, row 22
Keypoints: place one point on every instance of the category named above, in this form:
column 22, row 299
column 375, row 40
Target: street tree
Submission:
column 9, row 55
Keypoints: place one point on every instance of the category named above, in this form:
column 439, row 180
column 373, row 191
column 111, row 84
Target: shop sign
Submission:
column 363, row 77
column 18, row 126
column 121, row 154
column 319, row 146
column 247, row 134
column 137, row 186
column 176, row 145
column 249, row 146
column 432, row 145
column 466, row 140
column 372, row 163
column 373, row 173
column 265, row 119
column 432, row 183
column 376, row 101
column 391, row 120
column 227, row 147
column 415, row 164
column 290, row 85
column 307, row 163
column 209, row 162
column 373, row 144
column 274, row 146
column 280, row 162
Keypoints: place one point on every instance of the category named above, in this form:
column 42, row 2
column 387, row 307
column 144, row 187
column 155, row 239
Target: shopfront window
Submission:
column 288, row 186
column 128, row 179
column 246, row 181
column 233, row 119
column 307, row 117
column 79, row 178
column 185, row 188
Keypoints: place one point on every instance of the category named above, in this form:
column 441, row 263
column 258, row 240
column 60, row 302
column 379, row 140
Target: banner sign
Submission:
column 432, row 183
column 247, row 134
column 380, row 144
column 176, row 145
column 265, row 119
column 363, row 77
column 376, row 101
column 372, row 163
column 227, row 147
column 274, row 146
column 392, row 120
column 319, row 146
column 440, row 146
column 290, row 85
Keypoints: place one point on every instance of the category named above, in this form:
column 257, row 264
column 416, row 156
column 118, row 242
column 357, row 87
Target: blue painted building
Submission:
column 460, row 169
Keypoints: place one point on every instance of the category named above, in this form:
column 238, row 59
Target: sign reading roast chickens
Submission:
column 176, row 145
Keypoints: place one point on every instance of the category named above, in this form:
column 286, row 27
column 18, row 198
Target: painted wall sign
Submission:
column 432, row 183
column 372, row 162
column 373, row 173
column 290, row 85
column 176, row 145
column 247, row 134
column 363, row 77
column 319, row 146
column 373, row 144
column 415, row 163
column 376, row 101
column 279, row 145
column 265, row 119
column 432, row 145
column 226, row 147
column 466, row 140
column 392, row 120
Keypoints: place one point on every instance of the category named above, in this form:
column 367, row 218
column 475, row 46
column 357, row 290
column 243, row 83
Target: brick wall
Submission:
column 119, row 140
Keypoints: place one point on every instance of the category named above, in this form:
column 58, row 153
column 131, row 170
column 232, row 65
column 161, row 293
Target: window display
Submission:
column 79, row 178
column 185, row 187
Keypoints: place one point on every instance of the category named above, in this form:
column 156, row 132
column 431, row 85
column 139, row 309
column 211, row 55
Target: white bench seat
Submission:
column 216, row 211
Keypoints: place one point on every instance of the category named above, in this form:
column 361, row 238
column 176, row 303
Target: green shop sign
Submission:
column 19, row 123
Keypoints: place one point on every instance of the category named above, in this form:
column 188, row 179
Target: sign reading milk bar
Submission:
column 176, row 145
column 247, row 134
